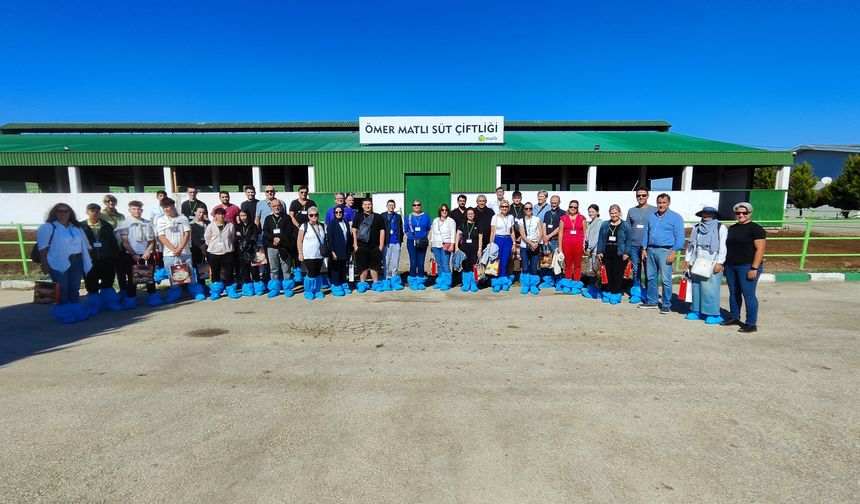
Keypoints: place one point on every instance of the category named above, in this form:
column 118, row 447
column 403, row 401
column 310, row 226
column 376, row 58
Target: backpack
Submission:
column 35, row 256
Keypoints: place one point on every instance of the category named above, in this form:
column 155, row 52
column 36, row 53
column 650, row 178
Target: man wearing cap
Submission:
column 663, row 239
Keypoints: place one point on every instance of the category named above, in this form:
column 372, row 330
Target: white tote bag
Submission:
column 702, row 266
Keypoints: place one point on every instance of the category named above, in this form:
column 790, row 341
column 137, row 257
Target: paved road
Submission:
column 431, row 397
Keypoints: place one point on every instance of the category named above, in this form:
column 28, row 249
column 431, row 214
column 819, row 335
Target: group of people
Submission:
column 264, row 247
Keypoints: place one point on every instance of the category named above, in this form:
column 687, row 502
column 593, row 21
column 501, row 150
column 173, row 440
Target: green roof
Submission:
column 640, row 141
column 307, row 126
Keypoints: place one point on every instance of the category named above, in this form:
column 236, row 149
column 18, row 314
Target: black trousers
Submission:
column 219, row 262
column 615, row 265
column 314, row 266
column 247, row 273
column 101, row 276
column 337, row 271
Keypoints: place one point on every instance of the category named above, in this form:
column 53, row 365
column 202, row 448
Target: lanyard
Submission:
column 245, row 230
column 613, row 229
column 469, row 232
column 193, row 206
column 526, row 226
column 95, row 229
column 277, row 221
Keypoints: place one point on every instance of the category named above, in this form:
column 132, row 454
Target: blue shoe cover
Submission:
column 635, row 291
column 376, row 286
column 533, row 286
column 547, row 282
column 215, row 290
column 604, row 297
column 274, row 287
column 346, row 289
column 297, row 275
column 587, row 294
column 160, row 275
column 325, row 283
column 259, row 288
column 577, row 285
column 713, row 319
column 692, row 316
column 110, row 299
column 129, row 303
column 447, row 280
column 362, row 287
column 614, row 299
column 635, row 299
column 386, row 285
column 525, row 282
column 64, row 313
column 575, row 290
column 196, row 290
column 309, row 289
column 95, row 305
column 80, row 311
column 316, row 283
column 247, row 289
column 154, row 299
column 232, row 293
column 337, row 290
column 173, row 294
column 466, row 285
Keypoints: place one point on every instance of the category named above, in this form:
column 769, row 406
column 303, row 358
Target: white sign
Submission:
column 432, row 130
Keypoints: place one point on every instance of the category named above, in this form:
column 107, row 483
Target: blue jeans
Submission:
column 70, row 280
column 636, row 261
column 443, row 260
column 530, row 260
column 416, row 259
column 740, row 290
column 186, row 258
column 391, row 261
column 657, row 266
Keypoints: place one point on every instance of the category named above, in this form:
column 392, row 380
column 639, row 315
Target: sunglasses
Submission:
column 641, row 195
column 416, row 204
column 313, row 215
column 573, row 207
column 443, row 210
column 505, row 206
column 528, row 208
column 338, row 212
column 270, row 191
column 742, row 213
column 303, row 192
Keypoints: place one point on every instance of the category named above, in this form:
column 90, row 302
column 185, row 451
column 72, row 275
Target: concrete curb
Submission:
column 17, row 284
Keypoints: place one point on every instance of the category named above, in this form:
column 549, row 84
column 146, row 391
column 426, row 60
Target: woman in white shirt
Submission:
column 64, row 254
column 531, row 236
column 312, row 238
column 443, row 232
column 502, row 234
column 218, row 237
column 707, row 246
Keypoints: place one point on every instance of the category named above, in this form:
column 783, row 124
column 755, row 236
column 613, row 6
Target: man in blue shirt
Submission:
column 339, row 202
column 393, row 239
column 664, row 237
column 637, row 218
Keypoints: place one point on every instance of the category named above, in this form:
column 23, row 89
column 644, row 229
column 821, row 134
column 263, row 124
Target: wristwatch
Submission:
column 754, row 268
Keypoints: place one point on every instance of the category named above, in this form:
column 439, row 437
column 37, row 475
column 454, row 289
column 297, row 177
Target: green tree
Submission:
column 765, row 177
column 844, row 192
column 801, row 186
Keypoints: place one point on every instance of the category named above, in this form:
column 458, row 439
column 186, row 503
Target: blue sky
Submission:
column 769, row 74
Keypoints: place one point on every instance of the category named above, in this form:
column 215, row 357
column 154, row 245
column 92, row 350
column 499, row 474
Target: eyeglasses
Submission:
column 313, row 215
column 443, row 210
column 528, row 208
column 505, row 206
column 573, row 207
column 270, row 191
column 338, row 212
column 742, row 213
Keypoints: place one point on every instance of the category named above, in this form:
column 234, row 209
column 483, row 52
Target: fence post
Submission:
column 23, row 250
column 805, row 243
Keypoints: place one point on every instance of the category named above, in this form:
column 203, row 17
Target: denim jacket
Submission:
column 624, row 234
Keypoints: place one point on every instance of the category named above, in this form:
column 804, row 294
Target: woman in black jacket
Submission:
column 340, row 239
column 246, row 248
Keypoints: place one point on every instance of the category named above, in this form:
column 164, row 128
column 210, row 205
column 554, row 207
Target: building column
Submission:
column 782, row 178
column 59, row 178
column 257, row 178
column 592, row 179
column 169, row 188
column 215, row 177
column 498, row 176
column 643, row 177
column 312, row 180
column 137, row 177
column 687, row 179
column 74, row 180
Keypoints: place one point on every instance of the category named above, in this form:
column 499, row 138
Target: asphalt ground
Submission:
column 431, row 397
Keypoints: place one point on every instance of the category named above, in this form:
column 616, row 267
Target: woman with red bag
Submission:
column 572, row 229
column 613, row 249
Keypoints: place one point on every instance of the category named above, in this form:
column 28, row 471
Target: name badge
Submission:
column 97, row 244
column 277, row 231
column 613, row 238
column 640, row 226
column 549, row 226
column 418, row 229
column 468, row 241
column 392, row 231
column 573, row 231
column 305, row 212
